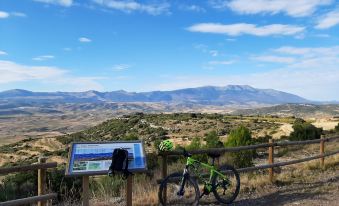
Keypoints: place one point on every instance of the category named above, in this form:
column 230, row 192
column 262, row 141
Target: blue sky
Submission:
column 73, row 45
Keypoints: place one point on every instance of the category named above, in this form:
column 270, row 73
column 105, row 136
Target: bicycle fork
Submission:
column 183, row 182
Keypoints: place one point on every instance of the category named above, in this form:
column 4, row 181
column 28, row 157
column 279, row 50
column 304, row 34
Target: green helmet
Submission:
column 166, row 145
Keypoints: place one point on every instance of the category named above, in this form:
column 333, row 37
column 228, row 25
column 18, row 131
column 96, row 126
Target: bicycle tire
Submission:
column 173, row 176
column 237, row 186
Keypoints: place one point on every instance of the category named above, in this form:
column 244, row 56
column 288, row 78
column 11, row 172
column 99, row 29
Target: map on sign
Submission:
column 95, row 158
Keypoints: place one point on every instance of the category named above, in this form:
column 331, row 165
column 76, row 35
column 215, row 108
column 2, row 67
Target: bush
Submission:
column 262, row 139
column 195, row 145
column 304, row 131
column 18, row 186
column 23, row 185
column 131, row 136
column 212, row 140
column 336, row 128
column 241, row 136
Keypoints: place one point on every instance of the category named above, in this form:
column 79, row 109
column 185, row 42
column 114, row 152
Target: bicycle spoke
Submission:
column 227, row 188
column 189, row 196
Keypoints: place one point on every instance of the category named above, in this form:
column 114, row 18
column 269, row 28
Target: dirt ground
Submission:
column 317, row 189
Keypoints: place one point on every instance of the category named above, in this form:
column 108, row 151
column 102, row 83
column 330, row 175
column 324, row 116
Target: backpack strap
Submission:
column 111, row 170
column 126, row 172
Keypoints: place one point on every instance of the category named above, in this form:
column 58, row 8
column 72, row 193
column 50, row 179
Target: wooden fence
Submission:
column 42, row 166
column 42, row 197
column 270, row 147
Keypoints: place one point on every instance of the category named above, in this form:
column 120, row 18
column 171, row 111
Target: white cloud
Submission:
column 298, row 8
column 65, row 3
column 309, row 51
column 328, row 20
column 132, row 6
column 121, row 67
column 67, row 49
column 220, row 62
column 230, row 39
column 243, row 28
column 43, row 58
column 322, row 35
column 214, row 53
column 204, row 48
column 313, row 74
column 18, row 14
column 3, row 15
column 3, row 53
column 274, row 59
column 192, row 7
column 84, row 39
column 13, row 72
column 211, row 65
column 52, row 77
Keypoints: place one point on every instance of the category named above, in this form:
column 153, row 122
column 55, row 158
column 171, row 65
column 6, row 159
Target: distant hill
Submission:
column 209, row 95
column 298, row 110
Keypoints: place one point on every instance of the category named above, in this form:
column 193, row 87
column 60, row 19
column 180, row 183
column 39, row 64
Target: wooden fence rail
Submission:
column 42, row 197
column 270, row 147
column 249, row 147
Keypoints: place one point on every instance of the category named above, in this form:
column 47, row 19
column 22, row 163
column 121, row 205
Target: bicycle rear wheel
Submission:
column 172, row 184
column 226, row 189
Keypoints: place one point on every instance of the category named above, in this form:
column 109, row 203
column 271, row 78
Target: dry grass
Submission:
column 145, row 191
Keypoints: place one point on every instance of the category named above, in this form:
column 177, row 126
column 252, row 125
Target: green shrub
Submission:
column 241, row 136
column 212, row 140
column 131, row 136
column 304, row 131
column 196, row 144
column 262, row 139
column 337, row 128
column 23, row 185
column 19, row 185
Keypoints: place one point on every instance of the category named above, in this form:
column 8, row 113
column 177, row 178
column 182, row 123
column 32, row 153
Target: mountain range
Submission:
column 208, row 95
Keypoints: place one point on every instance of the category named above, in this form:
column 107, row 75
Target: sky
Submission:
column 147, row 45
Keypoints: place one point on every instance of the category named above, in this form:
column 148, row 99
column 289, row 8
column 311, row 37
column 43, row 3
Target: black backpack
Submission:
column 119, row 163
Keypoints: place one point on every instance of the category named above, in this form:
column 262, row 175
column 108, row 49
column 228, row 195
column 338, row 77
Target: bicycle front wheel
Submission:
column 171, row 184
column 226, row 189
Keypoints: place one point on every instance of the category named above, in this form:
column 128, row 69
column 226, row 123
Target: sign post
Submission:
column 85, row 190
column 129, row 190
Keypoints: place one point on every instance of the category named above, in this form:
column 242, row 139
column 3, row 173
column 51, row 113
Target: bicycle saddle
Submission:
column 213, row 155
column 186, row 154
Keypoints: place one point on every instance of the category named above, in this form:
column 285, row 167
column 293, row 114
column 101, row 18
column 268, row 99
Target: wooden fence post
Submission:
column 129, row 190
column 322, row 148
column 164, row 174
column 270, row 159
column 85, row 190
column 42, row 181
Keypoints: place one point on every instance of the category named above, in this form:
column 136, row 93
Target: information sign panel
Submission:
column 94, row 158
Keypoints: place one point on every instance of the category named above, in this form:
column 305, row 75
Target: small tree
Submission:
column 195, row 144
column 212, row 140
column 241, row 136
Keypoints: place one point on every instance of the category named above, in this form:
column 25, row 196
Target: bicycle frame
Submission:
column 195, row 164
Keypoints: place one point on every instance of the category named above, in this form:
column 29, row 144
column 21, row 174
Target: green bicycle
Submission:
column 183, row 189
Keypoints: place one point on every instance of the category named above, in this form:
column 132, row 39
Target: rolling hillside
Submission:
column 298, row 110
